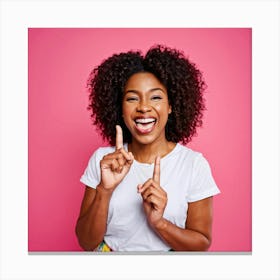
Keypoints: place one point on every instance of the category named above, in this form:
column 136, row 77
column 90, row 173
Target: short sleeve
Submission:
column 91, row 176
column 202, row 183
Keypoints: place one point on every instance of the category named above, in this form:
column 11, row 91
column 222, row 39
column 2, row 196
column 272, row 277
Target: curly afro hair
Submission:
column 184, row 83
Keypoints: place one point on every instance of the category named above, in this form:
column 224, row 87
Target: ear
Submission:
column 170, row 109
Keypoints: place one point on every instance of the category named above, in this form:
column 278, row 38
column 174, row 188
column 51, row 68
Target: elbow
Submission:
column 85, row 240
column 200, row 244
column 203, row 241
column 86, row 244
column 203, row 244
column 206, row 245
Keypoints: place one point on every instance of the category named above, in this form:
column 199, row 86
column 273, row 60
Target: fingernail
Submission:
column 138, row 188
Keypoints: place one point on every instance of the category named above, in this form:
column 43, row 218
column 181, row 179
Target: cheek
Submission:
column 163, row 110
column 125, row 110
column 126, row 113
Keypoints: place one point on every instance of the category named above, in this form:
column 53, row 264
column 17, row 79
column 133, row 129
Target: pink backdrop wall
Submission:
column 61, row 137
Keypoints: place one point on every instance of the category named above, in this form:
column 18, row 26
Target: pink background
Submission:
column 61, row 137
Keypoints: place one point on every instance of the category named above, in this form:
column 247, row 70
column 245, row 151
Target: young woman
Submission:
column 146, row 191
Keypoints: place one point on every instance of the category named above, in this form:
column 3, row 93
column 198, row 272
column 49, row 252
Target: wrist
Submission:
column 161, row 224
column 104, row 191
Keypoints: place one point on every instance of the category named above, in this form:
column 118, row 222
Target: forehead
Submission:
column 143, row 80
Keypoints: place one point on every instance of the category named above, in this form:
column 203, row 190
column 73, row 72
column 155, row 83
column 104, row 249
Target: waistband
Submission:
column 103, row 247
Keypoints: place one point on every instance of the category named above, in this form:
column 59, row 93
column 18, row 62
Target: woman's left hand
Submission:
column 154, row 197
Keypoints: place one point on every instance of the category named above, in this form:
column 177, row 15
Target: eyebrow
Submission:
column 136, row 91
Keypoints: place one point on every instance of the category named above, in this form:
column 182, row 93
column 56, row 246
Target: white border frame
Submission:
column 17, row 16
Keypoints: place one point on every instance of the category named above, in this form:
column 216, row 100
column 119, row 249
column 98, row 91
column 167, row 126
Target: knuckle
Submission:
column 120, row 156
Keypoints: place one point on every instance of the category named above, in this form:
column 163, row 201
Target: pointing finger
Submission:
column 156, row 174
column 119, row 137
column 127, row 155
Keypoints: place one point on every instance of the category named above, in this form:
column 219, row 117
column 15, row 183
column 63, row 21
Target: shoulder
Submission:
column 100, row 152
column 188, row 157
column 186, row 153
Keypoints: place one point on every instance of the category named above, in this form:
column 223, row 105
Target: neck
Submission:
column 146, row 153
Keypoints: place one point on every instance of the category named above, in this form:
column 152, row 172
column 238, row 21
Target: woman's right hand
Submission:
column 115, row 166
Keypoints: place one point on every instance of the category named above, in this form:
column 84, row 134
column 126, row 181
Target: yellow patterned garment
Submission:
column 103, row 247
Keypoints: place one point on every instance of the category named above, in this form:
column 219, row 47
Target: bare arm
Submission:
column 197, row 234
column 91, row 224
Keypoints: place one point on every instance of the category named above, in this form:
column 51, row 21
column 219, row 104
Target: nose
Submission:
column 143, row 107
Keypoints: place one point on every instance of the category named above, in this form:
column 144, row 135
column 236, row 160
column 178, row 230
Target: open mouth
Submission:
column 145, row 125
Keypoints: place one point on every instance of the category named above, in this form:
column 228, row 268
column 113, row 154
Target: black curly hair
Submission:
column 182, row 79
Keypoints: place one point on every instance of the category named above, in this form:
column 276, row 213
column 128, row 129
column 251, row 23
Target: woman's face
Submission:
column 145, row 108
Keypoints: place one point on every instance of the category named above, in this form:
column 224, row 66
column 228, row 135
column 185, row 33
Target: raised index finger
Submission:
column 156, row 174
column 119, row 137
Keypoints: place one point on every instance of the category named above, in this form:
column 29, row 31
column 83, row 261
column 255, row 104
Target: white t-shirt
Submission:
column 185, row 175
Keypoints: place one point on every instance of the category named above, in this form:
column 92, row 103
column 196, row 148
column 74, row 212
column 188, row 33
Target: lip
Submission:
column 145, row 125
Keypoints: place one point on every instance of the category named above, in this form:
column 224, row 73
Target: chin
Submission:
column 146, row 139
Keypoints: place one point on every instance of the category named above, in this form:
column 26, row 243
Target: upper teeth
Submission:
column 145, row 120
